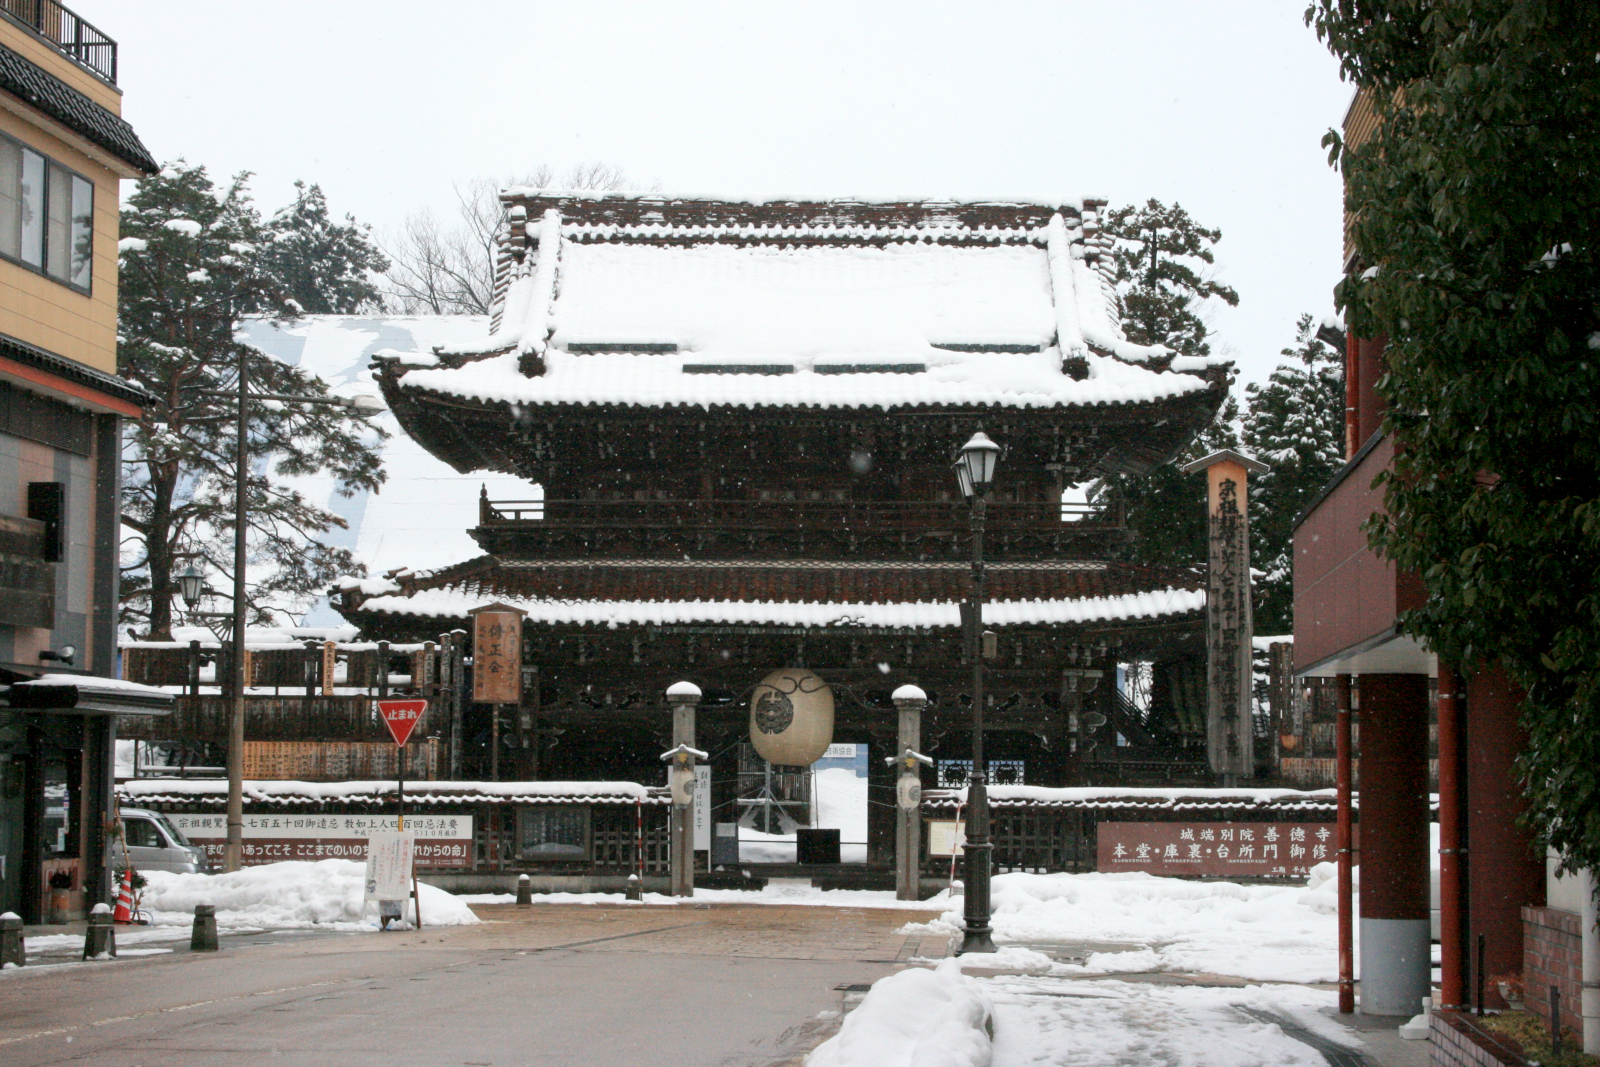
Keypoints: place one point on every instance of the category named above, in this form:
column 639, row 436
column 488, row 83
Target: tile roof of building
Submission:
column 31, row 83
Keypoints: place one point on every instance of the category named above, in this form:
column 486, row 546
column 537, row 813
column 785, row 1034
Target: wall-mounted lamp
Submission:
column 63, row 654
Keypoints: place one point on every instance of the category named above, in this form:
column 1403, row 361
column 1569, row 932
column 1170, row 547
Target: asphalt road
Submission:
column 569, row 986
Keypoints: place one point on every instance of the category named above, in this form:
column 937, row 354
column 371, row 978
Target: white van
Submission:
column 154, row 844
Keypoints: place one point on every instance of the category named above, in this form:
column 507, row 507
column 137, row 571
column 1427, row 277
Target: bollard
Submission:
column 524, row 892
column 633, row 887
column 99, row 937
column 204, row 937
column 13, row 950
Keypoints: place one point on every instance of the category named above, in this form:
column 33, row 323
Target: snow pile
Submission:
column 937, row 1018
column 1262, row 932
column 1111, row 1024
column 288, row 895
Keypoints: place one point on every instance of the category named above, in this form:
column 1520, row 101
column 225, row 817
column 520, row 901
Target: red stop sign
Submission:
column 402, row 717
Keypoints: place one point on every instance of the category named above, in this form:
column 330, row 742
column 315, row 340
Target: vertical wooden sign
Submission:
column 1229, row 630
column 497, row 654
column 330, row 660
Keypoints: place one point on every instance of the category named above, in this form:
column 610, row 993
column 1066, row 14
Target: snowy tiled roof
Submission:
column 214, row 791
column 456, row 602
column 1171, row 799
column 698, row 303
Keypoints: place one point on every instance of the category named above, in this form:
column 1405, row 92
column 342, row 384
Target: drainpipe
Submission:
column 1452, row 993
column 1347, row 985
column 1590, row 933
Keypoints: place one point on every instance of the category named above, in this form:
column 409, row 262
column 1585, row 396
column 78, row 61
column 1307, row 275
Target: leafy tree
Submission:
column 448, row 269
column 192, row 265
column 1476, row 207
column 1162, row 263
column 322, row 267
column 1295, row 423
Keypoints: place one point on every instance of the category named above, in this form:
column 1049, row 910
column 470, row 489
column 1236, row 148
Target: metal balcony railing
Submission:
column 859, row 515
column 62, row 27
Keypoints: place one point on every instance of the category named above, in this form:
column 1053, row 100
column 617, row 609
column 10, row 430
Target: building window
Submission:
column 553, row 833
column 46, row 215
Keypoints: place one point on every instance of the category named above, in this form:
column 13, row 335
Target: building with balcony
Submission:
column 63, row 150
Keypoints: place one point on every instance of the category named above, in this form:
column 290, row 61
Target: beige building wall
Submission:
column 33, row 307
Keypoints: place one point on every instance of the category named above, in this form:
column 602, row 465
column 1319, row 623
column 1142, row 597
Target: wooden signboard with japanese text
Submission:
column 497, row 657
column 1215, row 849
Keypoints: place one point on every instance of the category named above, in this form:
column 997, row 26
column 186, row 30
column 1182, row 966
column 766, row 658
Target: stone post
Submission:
column 1229, row 736
column 684, row 697
column 203, row 937
column 13, row 949
column 909, row 702
column 99, row 938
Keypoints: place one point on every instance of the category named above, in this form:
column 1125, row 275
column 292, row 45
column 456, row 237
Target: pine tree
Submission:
column 1476, row 223
column 1294, row 423
column 1163, row 258
column 323, row 267
column 191, row 267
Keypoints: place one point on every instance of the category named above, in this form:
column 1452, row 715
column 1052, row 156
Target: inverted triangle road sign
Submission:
column 402, row 716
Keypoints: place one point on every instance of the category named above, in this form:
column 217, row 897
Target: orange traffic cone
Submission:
column 124, row 910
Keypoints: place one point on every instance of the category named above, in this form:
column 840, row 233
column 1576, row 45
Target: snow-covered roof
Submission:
column 213, row 791
column 697, row 303
column 1173, row 798
column 455, row 602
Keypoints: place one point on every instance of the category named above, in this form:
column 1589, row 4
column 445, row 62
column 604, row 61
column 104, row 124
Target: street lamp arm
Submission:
column 362, row 405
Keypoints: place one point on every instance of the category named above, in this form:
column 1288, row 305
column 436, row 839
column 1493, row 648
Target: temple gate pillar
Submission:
column 1396, row 965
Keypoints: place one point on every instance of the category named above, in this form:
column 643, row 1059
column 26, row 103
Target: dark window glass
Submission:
column 46, row 215
column 142, row 833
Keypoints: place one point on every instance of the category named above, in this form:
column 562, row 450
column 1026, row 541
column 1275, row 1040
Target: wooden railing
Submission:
column 860, row 515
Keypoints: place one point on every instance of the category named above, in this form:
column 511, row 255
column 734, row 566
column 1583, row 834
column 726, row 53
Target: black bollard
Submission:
column 204, row 937
column 99, row 937
column 524, row 891
column 1555, row 1022
column 13, row 950
column 634, row 887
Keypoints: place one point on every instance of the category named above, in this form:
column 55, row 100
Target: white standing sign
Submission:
column 702, row 806
column 389, row 859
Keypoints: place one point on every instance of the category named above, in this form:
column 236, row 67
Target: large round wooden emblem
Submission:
column 791, row 717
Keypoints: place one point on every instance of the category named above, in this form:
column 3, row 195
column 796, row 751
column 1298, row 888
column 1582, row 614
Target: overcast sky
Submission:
column 1218, row 106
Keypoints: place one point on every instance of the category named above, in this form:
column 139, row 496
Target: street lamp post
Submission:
column 362, row 406
column 974, row 467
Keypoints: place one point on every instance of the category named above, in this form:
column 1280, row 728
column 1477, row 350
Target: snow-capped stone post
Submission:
column 13, row 949
column 684, row 697
column 1229, row 630
column 909, row 702
column 99, row 937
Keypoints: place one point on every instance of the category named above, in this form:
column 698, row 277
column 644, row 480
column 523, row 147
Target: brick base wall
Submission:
column 1552, row 955
column 1455, row 1042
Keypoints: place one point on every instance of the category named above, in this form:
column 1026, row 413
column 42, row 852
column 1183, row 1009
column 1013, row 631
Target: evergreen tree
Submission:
column 321, row 266
column 191, row 267
column 1295, row 423
column 1476, row 208
column 1162, row 259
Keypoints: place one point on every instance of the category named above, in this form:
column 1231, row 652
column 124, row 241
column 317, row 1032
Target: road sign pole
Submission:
column 401, row 761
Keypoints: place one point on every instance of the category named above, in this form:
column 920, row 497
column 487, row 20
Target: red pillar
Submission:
column 1452, row 919
column 1369, row 357
column 1504, row 872
column 1396, row 966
